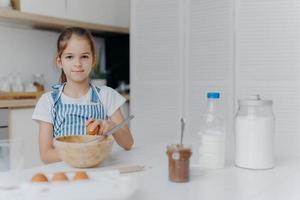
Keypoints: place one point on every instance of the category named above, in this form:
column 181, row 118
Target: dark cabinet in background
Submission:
column 117, row 59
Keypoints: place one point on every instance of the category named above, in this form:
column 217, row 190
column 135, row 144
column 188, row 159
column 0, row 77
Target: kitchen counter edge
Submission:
column 22, row 103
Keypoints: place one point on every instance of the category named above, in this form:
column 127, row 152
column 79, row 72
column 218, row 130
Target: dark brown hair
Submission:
column 63, row 40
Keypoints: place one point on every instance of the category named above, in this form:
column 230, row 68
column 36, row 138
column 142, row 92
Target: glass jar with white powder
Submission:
column 254, row 133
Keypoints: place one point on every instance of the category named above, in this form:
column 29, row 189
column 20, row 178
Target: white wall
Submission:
column 29, row 51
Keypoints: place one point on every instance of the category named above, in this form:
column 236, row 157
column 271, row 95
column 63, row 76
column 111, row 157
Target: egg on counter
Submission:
column 39, row 177
column 81, row 175
column 60, row 176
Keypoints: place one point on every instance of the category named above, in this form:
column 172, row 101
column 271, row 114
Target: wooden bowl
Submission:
column 75, row 152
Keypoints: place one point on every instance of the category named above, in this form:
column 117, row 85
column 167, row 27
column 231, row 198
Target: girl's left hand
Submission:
column 99, row 127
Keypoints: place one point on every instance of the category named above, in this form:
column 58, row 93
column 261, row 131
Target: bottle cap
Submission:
column 213, row 95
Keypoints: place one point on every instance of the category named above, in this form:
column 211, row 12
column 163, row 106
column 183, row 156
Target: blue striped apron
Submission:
column 70, row 119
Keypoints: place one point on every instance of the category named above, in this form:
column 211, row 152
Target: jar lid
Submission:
column 254, row 100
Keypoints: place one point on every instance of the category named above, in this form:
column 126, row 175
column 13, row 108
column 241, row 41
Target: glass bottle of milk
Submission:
column 212, row 135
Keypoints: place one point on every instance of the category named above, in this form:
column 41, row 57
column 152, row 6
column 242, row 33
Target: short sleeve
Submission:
column 42, row 111
column 111, row 99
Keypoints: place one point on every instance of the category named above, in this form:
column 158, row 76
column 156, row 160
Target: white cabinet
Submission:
column 54, row 8
column 22, row 127
column 107, row 12
column 4, row 113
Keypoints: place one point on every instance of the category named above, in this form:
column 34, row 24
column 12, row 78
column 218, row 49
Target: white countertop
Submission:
column 232, row 183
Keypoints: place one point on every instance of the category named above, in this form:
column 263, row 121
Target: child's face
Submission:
column 76, row 60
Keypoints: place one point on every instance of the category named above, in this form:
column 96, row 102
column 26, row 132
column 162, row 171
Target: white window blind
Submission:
column 267, row 57
column 210, row 57
column 156, row 64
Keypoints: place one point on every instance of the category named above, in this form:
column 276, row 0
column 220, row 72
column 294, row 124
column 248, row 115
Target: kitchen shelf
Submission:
column 54, row 23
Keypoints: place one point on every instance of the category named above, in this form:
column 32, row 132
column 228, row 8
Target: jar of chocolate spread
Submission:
column 179, row 162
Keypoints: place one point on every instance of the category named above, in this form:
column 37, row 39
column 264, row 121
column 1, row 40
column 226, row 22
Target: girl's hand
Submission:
column 92, row 128
column 98, row 127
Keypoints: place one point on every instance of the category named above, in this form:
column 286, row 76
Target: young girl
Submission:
column 76, row 103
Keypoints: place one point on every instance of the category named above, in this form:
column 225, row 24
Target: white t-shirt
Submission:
column 110, row 99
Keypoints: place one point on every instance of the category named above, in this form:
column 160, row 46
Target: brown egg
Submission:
column 39, row 177
column 59, row 176
column 81, row 175
column 91, row 131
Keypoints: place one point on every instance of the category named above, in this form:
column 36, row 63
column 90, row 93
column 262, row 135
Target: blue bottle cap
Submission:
column 213, row 95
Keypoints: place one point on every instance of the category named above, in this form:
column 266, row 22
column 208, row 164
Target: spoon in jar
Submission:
column 182, row 129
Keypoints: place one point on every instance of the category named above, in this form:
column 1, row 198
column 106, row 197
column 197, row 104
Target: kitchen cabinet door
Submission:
column 22, row 127
column 106, row 12
column 156, row 69
column 54, row 8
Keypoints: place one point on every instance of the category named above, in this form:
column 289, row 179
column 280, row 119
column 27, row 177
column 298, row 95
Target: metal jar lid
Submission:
column 255, row 100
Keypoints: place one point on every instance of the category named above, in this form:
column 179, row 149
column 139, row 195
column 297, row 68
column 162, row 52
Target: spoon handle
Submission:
column 182, row 129
column 119, row 126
